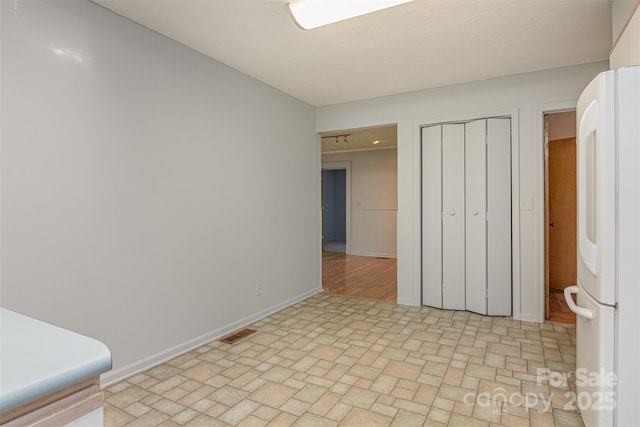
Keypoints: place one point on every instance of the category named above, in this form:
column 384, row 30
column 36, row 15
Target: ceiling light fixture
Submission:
column 377, row 141
column 310, row 14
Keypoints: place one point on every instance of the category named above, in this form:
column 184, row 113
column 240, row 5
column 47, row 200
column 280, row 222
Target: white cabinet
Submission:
column 466, row 216
column 49, row 376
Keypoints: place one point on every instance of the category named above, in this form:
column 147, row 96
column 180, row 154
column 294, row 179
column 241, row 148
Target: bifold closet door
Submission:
column 445, row 256
column 475, row 219
column 499, row 217
column 453, row 217
column 432, row 216
column 466, row 216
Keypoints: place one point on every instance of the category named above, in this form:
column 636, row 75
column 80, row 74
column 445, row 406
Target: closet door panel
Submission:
column 475, row 201
column 432, row 216
column 499, row 216
column 453, row 223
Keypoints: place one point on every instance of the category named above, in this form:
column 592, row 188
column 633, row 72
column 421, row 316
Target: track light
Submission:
column 337, row 137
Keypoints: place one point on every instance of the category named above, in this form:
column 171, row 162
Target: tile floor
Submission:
column 333, row 360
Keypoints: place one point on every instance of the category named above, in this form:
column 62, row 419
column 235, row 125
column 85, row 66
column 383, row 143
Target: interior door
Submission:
column 562, row 213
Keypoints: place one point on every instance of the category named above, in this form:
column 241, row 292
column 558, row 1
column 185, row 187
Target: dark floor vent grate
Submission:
column 238, row 335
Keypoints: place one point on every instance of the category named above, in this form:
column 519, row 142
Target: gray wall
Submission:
column 146, row 188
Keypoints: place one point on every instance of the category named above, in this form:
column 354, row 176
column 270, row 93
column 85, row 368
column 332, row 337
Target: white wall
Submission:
column 374, row 200
column 146, row 188
column 527, row 94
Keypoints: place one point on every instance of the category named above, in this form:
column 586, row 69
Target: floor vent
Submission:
column 238, row 335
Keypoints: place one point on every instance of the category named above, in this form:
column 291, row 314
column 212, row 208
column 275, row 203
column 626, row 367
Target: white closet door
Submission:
column 432, row 216
column 499, row 216
column 476, row 230
column 453, row 222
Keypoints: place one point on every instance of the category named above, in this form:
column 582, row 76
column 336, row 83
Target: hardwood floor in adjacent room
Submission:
column 359, row 276
column 559, row 310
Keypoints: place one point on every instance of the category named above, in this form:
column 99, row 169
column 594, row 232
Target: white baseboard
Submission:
column 372, row 254
column 525, row 317
column 119, row 374
column 408, row 301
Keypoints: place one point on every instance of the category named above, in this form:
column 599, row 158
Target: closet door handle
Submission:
column 475, row 212
column 452, row 213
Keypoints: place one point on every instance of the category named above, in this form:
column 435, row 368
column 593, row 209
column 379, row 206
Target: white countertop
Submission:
column 37, row 359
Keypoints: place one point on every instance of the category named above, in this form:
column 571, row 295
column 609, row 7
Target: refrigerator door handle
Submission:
column 586, row 247
column 580, row 311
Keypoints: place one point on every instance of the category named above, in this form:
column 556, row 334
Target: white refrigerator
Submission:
column 608, row 289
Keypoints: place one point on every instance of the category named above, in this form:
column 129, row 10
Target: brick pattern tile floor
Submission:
column 339, row 361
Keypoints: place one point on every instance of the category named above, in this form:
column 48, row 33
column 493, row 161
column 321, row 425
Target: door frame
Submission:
column 511, row 113
column 338, row 165
column 542, row 110
column 547, row 304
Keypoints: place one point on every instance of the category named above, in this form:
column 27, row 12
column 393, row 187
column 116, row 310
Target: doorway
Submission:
column 359, row 212
column 334, row 210
column 560, row 213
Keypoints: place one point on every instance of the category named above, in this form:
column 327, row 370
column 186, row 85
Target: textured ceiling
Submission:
column 414, row 46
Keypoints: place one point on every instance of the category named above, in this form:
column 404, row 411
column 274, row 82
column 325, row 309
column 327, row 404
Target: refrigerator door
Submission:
column 596, row 161
column 595, row 377
column 628, row 247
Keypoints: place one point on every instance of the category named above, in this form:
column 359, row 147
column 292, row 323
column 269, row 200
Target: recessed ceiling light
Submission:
column 310, row 14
